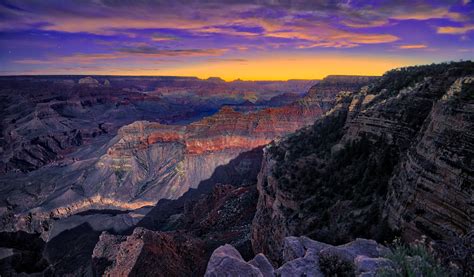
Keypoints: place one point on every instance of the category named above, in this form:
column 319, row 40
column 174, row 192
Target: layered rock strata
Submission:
column 431, row 190
column 392, row 158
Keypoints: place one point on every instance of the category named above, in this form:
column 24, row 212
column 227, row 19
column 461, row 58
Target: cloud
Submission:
column 369, row 38
column 329, row 44
column 365, row 23
column 455, row 30
column 156, row 52
column 240, row 60
column 137, row 53
column 301, row 20
column 115, row 32
column 163, row 37
column 369, row 16
column 413, row 46
column 429, row 13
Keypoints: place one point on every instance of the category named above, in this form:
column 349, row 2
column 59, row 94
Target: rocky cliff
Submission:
column 214, row 214
column 430, row 192
column 392, row 158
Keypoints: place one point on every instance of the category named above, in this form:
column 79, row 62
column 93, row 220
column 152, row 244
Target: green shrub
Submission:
column 412, row 260
column 331, row 266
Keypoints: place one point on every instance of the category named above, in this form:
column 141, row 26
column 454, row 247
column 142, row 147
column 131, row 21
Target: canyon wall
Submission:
column 393, row 158
column 431, row 190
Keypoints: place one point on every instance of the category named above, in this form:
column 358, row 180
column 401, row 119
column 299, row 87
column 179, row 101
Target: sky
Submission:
column 250, row 40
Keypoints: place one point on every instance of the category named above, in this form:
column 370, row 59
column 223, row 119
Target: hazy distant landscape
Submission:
column 223, row 138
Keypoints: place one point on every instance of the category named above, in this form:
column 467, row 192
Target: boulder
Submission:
column 261, row 262
column 366, row 266
column 360, row 247
column 227, row 261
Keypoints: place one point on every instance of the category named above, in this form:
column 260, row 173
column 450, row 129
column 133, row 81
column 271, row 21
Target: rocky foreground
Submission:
column 305, row 257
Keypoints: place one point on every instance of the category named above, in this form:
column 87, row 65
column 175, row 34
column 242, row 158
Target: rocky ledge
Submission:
column 305, row 257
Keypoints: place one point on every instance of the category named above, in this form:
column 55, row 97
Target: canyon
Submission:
column 173, row 176
column 60, row 186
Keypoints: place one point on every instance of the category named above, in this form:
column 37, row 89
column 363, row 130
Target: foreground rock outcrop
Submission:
column 305, row 257
column 394, row 158
column 148, row 253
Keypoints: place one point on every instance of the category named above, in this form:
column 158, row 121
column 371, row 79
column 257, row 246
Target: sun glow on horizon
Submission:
column 270, row 68
column 296, row 67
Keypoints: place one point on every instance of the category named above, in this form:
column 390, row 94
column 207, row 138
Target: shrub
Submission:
column 332, row 265
column 412, row 260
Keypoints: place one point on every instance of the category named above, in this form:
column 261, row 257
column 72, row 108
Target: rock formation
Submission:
column 148, row 253
column 211, row 142
column 215, row 214
column 384, row 161
column 305, row 257
column 431, row 190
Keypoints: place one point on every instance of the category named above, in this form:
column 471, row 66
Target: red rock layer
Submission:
column 227, row 129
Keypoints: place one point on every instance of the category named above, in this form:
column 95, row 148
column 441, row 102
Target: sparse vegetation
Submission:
column 333, row 266
column 412, row 260
column 394, row 80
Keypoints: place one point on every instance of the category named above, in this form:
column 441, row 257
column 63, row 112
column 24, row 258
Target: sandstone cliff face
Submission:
column 431, row 190
column 384, row 161
column 212, row 215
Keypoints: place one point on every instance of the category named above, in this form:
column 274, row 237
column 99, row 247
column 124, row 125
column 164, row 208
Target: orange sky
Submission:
column 277, row 67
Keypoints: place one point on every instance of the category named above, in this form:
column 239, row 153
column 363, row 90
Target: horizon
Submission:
column 177, row 76
column 217, row 77
column 258, row 41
